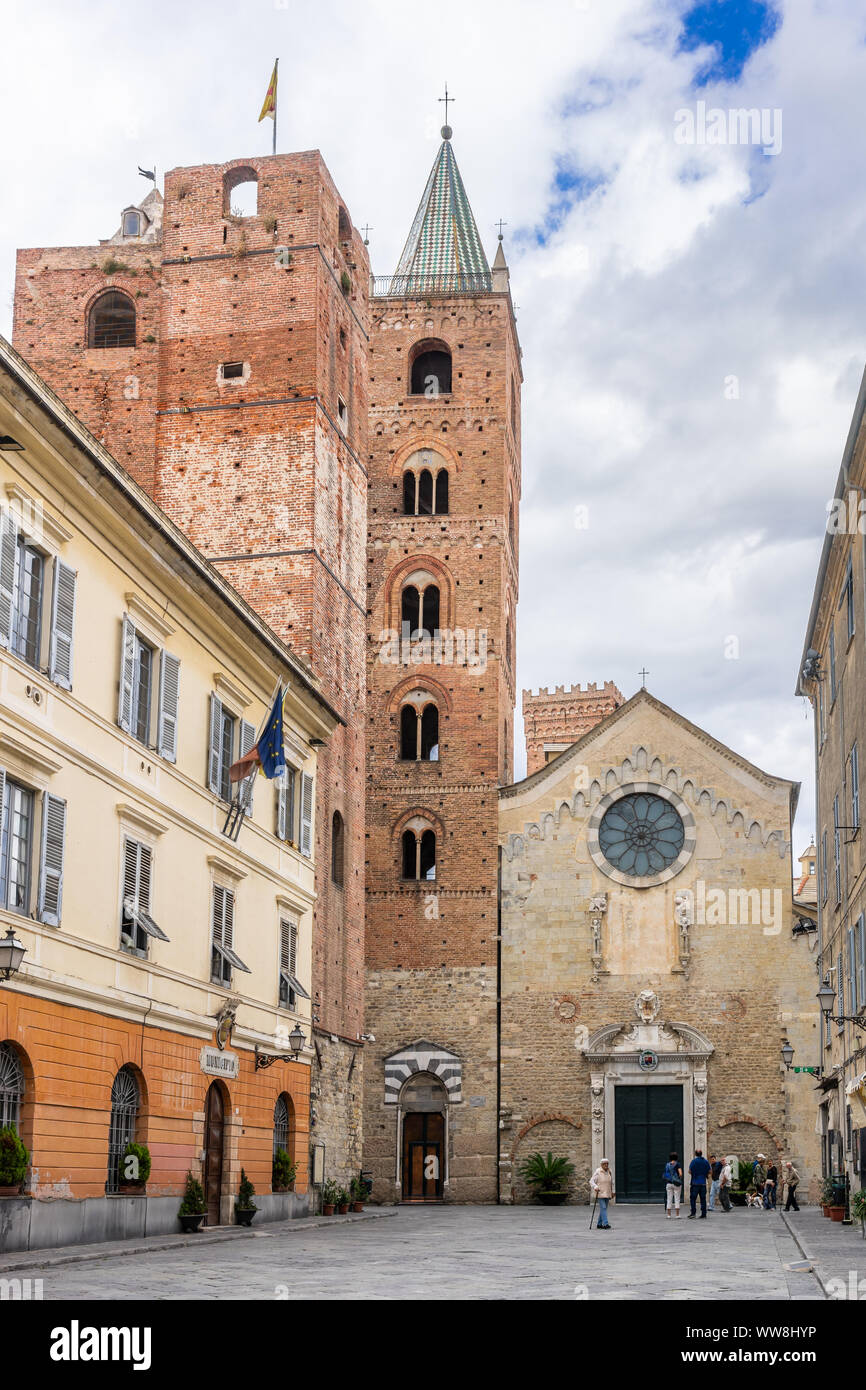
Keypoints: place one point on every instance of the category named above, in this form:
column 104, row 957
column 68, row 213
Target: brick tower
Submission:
column 218, row 345
column 555, row 719
column 445, row 380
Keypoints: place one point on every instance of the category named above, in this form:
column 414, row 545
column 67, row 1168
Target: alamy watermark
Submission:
column 711, row 906
column 444, row 646
column 739, row 125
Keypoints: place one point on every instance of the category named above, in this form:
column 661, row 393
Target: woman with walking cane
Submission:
column 601, row 1183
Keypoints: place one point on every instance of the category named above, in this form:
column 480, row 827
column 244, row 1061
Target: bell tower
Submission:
column 444, row 392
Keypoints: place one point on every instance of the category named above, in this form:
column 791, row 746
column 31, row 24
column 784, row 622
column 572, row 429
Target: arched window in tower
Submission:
column 344, row 226
column 337, row 849
column 511, row 519
column 111, row 322
column 419, row 730
column 241, row 192
column 425, row 484
column 430, row 365
column 419, row 608
column 508, row 653
column 419, row 854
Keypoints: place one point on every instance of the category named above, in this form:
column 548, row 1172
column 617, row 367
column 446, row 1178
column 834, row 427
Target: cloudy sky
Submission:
column 690, row 312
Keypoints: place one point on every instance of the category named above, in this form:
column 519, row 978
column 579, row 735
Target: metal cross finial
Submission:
column 367, row 230
column 446, row 100
column 500, row 224
column 643, row 673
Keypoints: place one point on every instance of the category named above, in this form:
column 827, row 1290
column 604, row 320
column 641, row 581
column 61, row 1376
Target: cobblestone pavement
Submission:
column 466, row 1253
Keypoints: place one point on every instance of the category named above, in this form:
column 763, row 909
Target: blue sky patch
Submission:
column 735, row 28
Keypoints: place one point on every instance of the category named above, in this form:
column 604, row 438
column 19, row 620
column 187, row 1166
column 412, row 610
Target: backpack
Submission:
column 671, row 1174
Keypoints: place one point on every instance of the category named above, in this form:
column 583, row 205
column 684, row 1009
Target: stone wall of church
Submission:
column 745, row 985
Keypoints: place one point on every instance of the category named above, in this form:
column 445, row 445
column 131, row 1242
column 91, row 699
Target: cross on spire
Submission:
column 643, row 673
column 367, row 230
column 500, row 224
column 447, row 99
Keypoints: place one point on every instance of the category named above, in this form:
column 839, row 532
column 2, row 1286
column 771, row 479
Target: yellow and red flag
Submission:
column 270, row 106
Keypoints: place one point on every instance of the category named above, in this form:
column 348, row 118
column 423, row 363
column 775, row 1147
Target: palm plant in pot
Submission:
column 284, row 1170
column 329, row 1197
column 134, row 1170
column 192, row 1209
column 858, row 1209
column 358, row 1193
column 342, row 1200
column 827, row 1190
column 245, row 1207
column 13, row 1162
column 547, row 1177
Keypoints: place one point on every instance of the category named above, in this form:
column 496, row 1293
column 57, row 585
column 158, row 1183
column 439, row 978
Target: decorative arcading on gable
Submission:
column 648, row 769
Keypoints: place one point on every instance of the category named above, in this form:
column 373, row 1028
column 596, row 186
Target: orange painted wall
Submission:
column 70, row 1057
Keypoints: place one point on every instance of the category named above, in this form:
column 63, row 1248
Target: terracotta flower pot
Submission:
column 343, row 1208
column 357, row 1206
column 327, row 1208
column 10, row 1191
column 837, row 1213
column 825, row 1209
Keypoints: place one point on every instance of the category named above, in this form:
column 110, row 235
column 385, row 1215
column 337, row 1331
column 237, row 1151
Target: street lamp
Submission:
column 12, row 952
column 297, row 1039
column 826, row 997
column 787, row 1054
column 296, row 1043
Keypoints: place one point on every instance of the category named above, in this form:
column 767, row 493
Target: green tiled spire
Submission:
column 444, row 250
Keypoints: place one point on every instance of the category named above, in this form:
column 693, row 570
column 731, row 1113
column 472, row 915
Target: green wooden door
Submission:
column 649, row 1127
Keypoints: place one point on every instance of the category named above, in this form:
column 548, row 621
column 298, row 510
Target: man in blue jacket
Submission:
column 699, row 1170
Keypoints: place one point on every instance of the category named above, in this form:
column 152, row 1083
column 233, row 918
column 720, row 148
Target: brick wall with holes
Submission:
column 249, row 427
column 427, row 941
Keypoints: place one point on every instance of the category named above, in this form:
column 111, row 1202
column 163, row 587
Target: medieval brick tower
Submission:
column 217, row 344
column 555, row 719
column 445, row 380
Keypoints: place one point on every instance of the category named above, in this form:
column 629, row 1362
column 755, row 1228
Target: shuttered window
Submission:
column 51, row 859
column 290, row 985
column 287, row 828
column 169, row 696
column 62, row 625
column 861, row 962
column 221, row 744
column 136, row 923
column 306, row 837
column 247, row 739
column 26, row 634
column 141, row 668
column 855, row 785
column 16, row 846
column 223, row 957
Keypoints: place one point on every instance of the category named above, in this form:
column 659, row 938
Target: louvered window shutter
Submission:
column 281, row 810
column 127, row 674
column 130, row 872
column 228, row 916
column 51, row 860
column 169, row 694
column 247, row 739
column 144, row 878
column 8, row 541
column 62, row 623
column 215, row 744
column 861, row 960
column 293, row 948
column 2, row 807
column 306, row 815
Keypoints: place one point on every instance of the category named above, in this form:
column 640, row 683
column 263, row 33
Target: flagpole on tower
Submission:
column 276, row 95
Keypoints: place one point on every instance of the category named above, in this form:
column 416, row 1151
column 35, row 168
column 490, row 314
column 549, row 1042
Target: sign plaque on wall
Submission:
column 216, row 1063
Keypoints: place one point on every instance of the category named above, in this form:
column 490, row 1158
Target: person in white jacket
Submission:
column 601, row 1183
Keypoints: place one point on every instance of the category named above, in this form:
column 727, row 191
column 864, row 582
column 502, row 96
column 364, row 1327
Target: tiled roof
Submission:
column 443, row 242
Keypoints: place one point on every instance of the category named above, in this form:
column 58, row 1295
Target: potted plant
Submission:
column 13, row 1162
column 329, row 1197
column 192, row 1209
column 134, row 1169
column 245, row 1207
column 283, row 1177
column 827, row 1190
column 342, row 1201
column 858, row 1209
column 548, row 1178
column 357, row 1193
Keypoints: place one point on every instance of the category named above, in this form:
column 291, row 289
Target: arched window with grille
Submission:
column 111, row 322
column 283, row 1123
column 11, row 1087
column 125, row 1104
column 337, row 849
column 419, row 854
column 419, row 732
column 430, row 366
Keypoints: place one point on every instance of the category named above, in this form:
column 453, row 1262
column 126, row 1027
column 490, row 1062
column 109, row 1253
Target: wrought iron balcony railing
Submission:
column 426, row 286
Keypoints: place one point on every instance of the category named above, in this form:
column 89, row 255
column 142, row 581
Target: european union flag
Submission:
column 270, row 745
